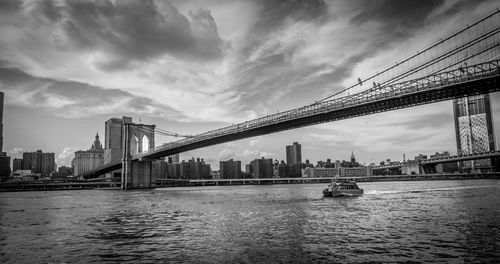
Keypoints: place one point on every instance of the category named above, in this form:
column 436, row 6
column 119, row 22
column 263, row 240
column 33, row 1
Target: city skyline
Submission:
column 231, row 61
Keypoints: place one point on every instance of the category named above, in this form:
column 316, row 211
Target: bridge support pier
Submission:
column 138, row 174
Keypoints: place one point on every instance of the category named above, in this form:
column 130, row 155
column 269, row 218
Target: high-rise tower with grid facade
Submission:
column 474, row 129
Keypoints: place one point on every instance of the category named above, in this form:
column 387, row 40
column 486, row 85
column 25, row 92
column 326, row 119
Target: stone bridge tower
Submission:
column 137, row 139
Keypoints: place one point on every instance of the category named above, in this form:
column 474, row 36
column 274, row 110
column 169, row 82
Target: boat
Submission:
column 347, row 188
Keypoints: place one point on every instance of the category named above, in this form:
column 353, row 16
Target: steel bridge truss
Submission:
column 465, row 81
column 463, row 64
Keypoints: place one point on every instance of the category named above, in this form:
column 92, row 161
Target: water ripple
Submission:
column 394, row 222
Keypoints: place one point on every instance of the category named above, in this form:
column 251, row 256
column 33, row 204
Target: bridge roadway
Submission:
column 465, row 81
column 455, row 158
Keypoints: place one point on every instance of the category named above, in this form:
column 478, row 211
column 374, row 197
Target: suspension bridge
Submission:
column 465, row 63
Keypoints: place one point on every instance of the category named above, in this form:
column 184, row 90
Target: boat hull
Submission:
column 328, row 193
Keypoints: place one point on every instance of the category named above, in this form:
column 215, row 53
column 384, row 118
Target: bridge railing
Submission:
column 458, row 75
column 487, row 154
column 470, row 155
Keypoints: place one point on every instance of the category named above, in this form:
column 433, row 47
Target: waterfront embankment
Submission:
column 52, row 185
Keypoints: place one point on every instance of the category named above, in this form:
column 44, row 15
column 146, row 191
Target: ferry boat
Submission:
column 349, row 188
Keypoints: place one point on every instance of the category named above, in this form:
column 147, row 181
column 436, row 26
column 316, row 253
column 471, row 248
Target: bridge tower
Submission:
column 137, row 139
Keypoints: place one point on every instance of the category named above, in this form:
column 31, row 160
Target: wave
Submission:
column 437, row 189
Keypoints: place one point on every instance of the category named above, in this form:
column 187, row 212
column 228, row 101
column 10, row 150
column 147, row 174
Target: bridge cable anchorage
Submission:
column 433, row 47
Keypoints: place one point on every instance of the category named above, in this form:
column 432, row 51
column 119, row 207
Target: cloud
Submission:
column 299, row 52
column 245, row 155
column 254, row 143
column 83, row 58
column 15, row 153
column 290, row 53
column 418, row 129
column 74, row 99
column 119, row 34
column 394, row 13
column 66, row 156
column 7, row 6
column 134, row 31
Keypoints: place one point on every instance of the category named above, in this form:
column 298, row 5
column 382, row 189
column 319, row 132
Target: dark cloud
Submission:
column 294, row 86
column 47, row 9
column 13, row 76
column 408, row 14
column 265, row 78
column 7, row 6
column 460, row 6
column 397, row 20
column 129, row 31
column 275, row 12
column 79, row 99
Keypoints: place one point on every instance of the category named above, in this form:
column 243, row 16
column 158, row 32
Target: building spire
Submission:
column 97, row 143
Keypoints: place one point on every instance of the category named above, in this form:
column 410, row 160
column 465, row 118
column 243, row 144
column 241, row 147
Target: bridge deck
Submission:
column 466, row 81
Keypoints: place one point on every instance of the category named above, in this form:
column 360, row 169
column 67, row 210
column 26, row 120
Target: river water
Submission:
column 416, row 222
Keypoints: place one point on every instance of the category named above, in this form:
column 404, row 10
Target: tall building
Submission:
column 159, row 168
column 90, row 159
column 294, row 154
column 474, row 129
column 230, row 169
column 282, row 170
column 4, row 159
column 4, row 165
column 262, row 168
column 113, row 130
column 194, row 169
column 174, row 158
column 173, row 170
column 249, row 168
column 39, row 163
column 1, row 121
column 17, row 164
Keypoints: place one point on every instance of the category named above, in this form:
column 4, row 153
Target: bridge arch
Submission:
column 145, row 144
column 140, row 138
column 134, row 145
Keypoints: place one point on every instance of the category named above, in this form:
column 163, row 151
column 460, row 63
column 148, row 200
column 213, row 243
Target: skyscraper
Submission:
column 113, row 138
column 4, row 159
column 294, row 154
column 474, row 128
column 1, row 121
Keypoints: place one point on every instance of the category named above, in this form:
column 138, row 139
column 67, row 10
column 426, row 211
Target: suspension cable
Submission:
column 360, row 81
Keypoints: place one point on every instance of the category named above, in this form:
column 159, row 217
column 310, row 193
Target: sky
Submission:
column 191, row 66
